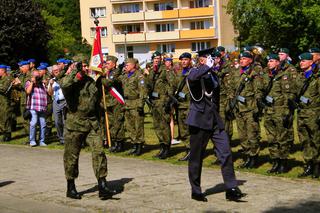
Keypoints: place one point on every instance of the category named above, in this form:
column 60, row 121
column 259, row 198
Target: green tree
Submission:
column 23, row 32
column 292, row 23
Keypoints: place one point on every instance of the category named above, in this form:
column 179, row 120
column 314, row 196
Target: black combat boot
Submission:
column 165, row 153
column 249, row 163
column 275, row 166
column 72, row 191
column 114, row 147
column 104, row 191
column 134, row 149
column 139, row 149
column 6, row 137
column 119, row 147
column 234, row 194
column 283, row 166
column 316, row 170
column 308, row 169
column 160, row 152
column 186, row 156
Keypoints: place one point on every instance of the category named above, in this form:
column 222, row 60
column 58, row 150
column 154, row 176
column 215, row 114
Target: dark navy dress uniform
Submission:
column 205, row 123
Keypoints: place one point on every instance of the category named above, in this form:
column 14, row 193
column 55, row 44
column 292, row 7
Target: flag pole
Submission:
column 96, row 22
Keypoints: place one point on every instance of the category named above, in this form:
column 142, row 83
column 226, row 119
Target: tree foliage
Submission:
column 23, row 32
column 292, row 23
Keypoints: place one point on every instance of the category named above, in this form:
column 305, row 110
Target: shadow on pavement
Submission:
column 4, row 183
column 303, row 207
column 220, row 188
column 117, row 185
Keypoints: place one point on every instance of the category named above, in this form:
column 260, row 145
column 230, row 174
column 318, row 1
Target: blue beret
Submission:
column 44, row 64
column 31, row 60
column 2, row 66
column 185, row 55
column 22, row 63
column 168, row 59
column 67, row 61
column 61, row 60
column 41, row 67
column 8, row 68
column 305, row 56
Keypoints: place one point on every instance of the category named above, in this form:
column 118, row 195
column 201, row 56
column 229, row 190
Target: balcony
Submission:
column 204, row 11
column 166, row 14
column 127, row 17
column 131, row 38
column 158, row 36
column 185, row 34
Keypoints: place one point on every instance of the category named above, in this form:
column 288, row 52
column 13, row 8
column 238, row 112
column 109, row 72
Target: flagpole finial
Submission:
column 96, row 21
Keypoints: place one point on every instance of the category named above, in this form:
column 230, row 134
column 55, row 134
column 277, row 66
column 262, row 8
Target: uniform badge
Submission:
column 142, row 82
column 111, row 77
column 285, row 77
column 246, row 79
column 287, row 86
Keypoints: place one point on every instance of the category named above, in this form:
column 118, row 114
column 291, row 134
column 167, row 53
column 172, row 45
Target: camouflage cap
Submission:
column 305, row 56
column 273, row 56
column 112, row 58
column 314, row 50
column 132, row 61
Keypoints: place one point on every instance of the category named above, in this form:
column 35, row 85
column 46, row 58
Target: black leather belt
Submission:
column 60, row 101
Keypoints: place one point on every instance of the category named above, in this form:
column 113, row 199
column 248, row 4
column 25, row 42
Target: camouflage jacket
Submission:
column 113, row 79
column 5, row 82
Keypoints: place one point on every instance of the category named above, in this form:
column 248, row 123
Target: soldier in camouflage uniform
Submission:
column 83, row 96
column 114, row 109
column 287, row 67
column 309, row 116
column 159, row 93
column 6, row 83
column 32, row 64
column 183, row 96
column 315, row 51
column 134, row 94
column 247, row 123
column 279, row 88
column 24, row 76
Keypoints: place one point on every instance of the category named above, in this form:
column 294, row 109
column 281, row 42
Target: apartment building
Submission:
column 144, row 26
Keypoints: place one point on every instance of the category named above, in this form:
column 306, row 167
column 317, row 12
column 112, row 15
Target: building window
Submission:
column 198, row 25
column 164, row 27
column 98, row 12
column 163, row 6
column 135, row 28
column 196, row 46
column 129, row 8
column 130, row 51
column 166, row 48
column 104, row 32
column 199, row 3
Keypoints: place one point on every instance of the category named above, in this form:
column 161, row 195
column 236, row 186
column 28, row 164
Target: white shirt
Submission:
column 57, row 92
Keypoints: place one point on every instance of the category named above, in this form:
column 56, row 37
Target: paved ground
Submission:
column 32, row 180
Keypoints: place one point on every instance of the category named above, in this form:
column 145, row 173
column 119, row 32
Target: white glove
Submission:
column 210, row 61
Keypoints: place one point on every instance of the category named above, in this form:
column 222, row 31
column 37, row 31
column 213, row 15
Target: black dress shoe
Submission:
column 234, row 194
column 199, row 197
column 186, row 156
column 275, row 166
column 72, row 191
column 308, row 170
column 104, row 191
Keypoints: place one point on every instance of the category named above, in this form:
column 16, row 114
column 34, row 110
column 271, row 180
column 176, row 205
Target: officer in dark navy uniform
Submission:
column 205, row 123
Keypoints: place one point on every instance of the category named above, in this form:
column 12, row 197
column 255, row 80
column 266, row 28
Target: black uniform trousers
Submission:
column 198, row 142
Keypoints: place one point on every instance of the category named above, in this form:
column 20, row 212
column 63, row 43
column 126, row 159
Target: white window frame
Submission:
column 165, row 47
column 104, row 32
column 167, row 27
column 163, row 6
column 129, row 8
column 98, row 11
column 196, row 46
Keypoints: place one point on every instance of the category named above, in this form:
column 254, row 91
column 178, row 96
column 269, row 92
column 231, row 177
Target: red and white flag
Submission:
column 117, row 95
column 96, row 61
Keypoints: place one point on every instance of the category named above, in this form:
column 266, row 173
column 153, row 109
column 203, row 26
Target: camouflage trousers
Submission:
column 183, row 128
column 73, row 144
column 228, row 125
column 134, row 126
column 49, row 120
column 249, row 133
column 277, row 134
column 5, row 119
column 116, row 123
column 161, row 123
column 309, row 134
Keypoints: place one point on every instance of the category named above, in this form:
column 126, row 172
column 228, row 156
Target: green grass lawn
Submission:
column 177, row 151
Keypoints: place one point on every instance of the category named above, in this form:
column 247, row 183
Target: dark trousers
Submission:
column 198, row 142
